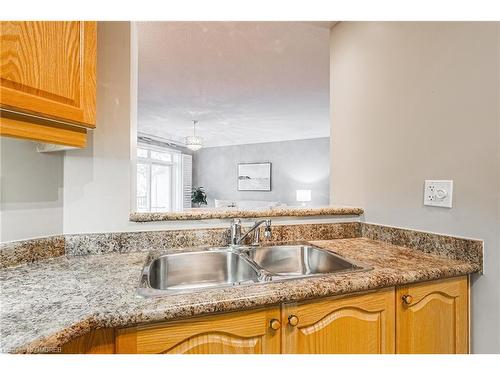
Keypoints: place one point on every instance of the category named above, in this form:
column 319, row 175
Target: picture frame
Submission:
column 255, row 176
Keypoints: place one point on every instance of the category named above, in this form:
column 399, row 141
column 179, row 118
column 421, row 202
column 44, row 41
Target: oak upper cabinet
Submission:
column 347, row 325
column 247, row 332
column 48, row 80
column 432, row 317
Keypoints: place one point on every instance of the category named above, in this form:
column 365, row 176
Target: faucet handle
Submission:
column 235, row 231
column 267, row 229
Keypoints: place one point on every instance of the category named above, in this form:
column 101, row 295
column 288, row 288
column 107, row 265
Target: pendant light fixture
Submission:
column 193, row 142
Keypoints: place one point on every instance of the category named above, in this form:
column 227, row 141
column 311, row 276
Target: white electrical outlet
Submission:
column 438, row 193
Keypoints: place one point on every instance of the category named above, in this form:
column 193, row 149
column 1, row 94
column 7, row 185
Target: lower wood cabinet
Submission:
column 358, row 324
column 433, row 317
column 247, row 332
column 99, row 341
column 429, row 317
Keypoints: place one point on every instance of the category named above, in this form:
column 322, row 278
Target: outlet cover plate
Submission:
column 438, row 193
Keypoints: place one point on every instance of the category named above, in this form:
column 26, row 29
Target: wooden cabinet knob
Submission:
column 275, row 324
column 407, row 299
column 293, row 320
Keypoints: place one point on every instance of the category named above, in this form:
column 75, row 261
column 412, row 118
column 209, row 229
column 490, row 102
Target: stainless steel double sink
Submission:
column 186, row 272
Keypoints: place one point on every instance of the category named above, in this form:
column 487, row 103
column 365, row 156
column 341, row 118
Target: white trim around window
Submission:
column 170, row 160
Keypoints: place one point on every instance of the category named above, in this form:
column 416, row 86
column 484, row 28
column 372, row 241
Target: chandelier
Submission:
column 193, row 142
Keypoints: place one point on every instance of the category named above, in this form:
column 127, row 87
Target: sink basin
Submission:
column 185, row 272
column 297, row 261
column 225, row 267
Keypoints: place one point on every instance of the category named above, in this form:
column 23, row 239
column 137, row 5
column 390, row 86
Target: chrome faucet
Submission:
column 237, row 238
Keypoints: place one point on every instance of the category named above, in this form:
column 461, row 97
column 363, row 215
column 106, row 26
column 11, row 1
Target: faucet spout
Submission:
column 237, row 238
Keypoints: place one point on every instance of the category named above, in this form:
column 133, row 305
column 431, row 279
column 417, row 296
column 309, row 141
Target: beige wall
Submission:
column 415, row 101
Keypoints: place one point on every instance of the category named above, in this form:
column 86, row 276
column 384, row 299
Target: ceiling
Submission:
column 245, row 82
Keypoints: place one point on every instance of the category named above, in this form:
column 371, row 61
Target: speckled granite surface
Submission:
column 439, row 244
column 100, row 243
column 126, row 242
column 19, row 252
column 228, row 213
column 46, row 304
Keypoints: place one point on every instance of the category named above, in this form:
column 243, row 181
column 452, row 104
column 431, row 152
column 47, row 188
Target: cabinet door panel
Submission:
column 48, row 69
column 435, row 321
column 357, row 324
column 235, row 333
column 100, row 341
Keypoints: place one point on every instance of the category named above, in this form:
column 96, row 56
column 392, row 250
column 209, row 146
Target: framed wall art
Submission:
column 254, row 176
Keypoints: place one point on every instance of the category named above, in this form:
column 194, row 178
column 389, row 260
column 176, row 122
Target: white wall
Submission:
column 414, row 101
column 97, row 178
column 31, row 202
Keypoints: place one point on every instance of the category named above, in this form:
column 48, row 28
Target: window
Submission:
column 159, row 179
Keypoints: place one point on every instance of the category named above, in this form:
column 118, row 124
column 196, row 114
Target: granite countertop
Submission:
column 228, row 213
column 48, row 303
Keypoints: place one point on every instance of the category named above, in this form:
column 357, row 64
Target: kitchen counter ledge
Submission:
column 229, row 213
column 46, row 304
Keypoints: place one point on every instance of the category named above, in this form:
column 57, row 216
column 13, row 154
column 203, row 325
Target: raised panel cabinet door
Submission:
column 345, row 325
column 48, row 69
column 247, row 332
column 99, row 341
column 432, row 317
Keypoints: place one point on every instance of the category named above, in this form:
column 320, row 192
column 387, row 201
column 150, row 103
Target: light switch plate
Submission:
column 438, row 193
